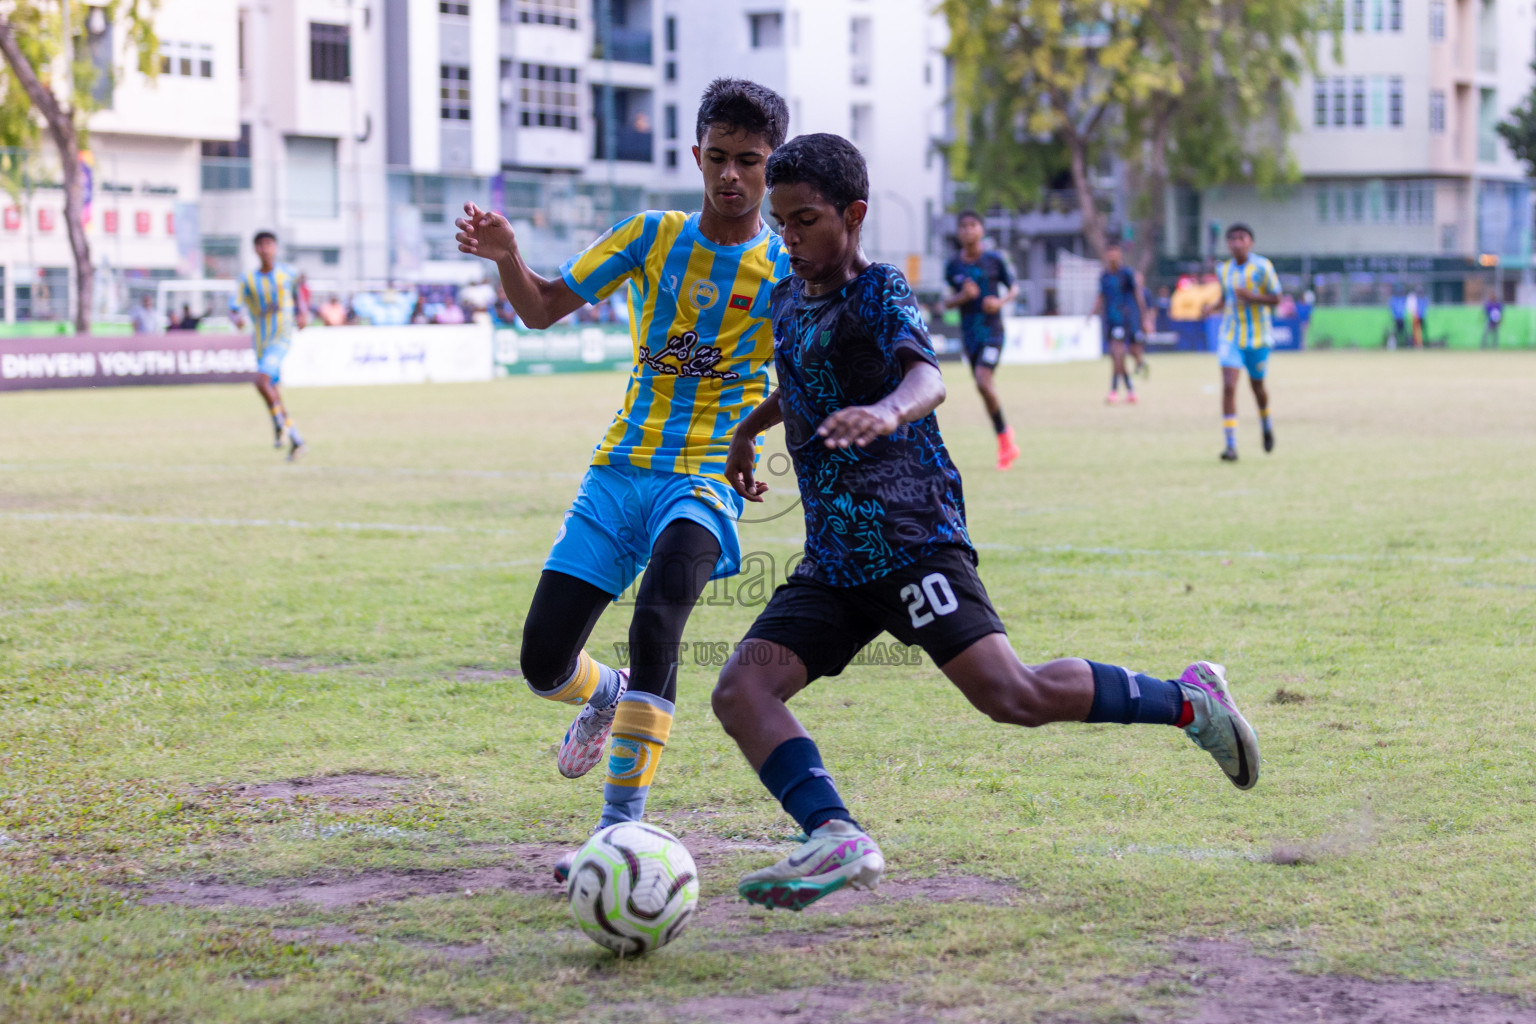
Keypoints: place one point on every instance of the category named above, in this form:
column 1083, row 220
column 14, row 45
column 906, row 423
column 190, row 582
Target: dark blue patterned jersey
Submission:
column 1118, row 290
column 993, row 276
column 868, row 511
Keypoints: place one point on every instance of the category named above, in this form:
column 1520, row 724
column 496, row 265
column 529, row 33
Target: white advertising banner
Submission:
column 414, row 354
column 1052, row 339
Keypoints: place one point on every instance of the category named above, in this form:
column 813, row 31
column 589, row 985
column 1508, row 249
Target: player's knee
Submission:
column 544, row 664
column 729, row 695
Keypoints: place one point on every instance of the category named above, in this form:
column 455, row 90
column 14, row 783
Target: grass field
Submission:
column 187, row 623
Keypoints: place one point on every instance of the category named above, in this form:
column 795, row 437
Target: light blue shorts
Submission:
column 619, row 512
column 270, row 362
column 1254, row 360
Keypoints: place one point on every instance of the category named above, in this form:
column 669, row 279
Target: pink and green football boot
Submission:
column 836, row 854
column 1218, row 727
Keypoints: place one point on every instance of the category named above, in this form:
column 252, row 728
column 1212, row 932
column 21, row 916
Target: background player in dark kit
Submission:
column 1124, row 311
column 887, row 547
column 983, row 284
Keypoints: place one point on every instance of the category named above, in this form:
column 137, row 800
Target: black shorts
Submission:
column 936, row 603
column 987, row 352
column 1129, row 335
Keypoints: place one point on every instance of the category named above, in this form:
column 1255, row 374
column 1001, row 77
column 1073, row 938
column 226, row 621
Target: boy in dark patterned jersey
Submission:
column 886, row 542
column 983, row 284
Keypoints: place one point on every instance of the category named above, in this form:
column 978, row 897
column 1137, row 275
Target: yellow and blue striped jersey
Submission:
column 271, row 299
column 1248, row 324
column 698, row 320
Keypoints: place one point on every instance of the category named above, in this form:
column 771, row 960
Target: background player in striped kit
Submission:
column 1250, row 291
column 699, row 286
column 272, row 295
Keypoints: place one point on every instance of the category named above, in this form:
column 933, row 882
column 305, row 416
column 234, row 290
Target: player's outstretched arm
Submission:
column 921, row 391
column 741, row 461
column 539, row 302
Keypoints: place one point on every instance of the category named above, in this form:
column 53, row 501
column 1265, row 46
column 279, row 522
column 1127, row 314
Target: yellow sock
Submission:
column 578, row 689
column 641, row 725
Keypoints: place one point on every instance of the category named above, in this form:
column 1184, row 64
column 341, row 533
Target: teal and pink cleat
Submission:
column 836, row 854
column 1218, row 727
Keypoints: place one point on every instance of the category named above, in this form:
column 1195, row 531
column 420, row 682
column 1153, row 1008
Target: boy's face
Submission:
column 819, row 239
column 266, row 250
column 1240, row 244
column 1112, row 257
column 733, row 164
column 969, row 231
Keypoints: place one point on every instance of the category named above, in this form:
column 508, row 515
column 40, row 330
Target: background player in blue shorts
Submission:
column 271, row 294
column 1123, row 311
column 655, row 496
column 1250, row 291
column 886, row 543
column 983, row 284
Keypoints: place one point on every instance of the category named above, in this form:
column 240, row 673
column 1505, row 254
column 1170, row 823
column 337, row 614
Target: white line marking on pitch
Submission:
column 288, row 524
column 1278, row 556
column 488, row 474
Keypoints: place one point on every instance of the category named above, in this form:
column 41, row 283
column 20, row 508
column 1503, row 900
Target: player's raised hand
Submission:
column 740, row 465
column 485, row 233
column 970, row 291
column 857, row 425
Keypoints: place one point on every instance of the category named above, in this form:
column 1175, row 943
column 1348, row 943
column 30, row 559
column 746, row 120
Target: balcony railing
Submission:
column 226, row 174
column 627, row 45
column 628, row 144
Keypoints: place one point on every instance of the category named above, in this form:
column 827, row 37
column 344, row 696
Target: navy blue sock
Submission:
column 794, row 775
column 1133, row 699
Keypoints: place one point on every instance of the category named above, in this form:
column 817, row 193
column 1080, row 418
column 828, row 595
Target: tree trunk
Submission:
column 1093, row 220
column 68, row 144
column 61, row 125
column 1153, row 183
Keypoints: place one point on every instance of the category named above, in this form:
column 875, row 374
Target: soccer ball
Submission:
column 633, row 888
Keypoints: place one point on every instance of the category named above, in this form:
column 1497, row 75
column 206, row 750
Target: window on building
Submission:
column 312, row 179
column 1395, row 102
column 227, row 165
column 1419, row 202
column 330, row 52
column 1391, row 203
column 1437, row 20
column 1377, row 105
column 766, row 29
column 453, row 9
column 205, row 60
column 1322, row 205
column 861, row 46
column 669, row 30
column 1395, row 15
column 240, row 42
column 1340, row 102
column 1378, row 15
column 1357, row 204
column 189, row 60
column 1320, row 103
column 669, row 120
column 1437, row 111
column 453, row 92
column 1357, row 102
column 861, row 125
column 1357, row 15
column 98, row 47
column 547, row 97
column 671, row 70
column 671, row 159
column 547, row 12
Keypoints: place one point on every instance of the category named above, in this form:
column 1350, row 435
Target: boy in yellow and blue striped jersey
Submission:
column 272, row 295
column 655, row 496
column 1250, row 291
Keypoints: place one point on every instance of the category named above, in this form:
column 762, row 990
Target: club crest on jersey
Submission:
column 691, row 362
column 705, row 294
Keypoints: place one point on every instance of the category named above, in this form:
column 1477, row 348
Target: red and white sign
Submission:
column 109, row 222
column 170, row 223
column 12, row 219
column 45, row 220
column 141, row 222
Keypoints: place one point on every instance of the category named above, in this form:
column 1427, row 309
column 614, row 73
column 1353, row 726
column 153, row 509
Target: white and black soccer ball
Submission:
column 633, row 888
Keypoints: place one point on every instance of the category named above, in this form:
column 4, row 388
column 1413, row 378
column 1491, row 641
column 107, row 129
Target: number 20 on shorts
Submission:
column 934, row 597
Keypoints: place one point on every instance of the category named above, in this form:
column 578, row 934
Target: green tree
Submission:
column 1519, row 132
column 49, row 86
column 1189, row 91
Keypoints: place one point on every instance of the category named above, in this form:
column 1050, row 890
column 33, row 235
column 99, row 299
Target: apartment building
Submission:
column 1405, row 182
column 146, row 187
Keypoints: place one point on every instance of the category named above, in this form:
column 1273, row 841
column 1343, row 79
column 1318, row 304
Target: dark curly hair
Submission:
column 830, row 164
column 737, row 105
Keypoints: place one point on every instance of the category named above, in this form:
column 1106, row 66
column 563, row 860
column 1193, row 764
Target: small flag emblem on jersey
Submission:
column 741, row 302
